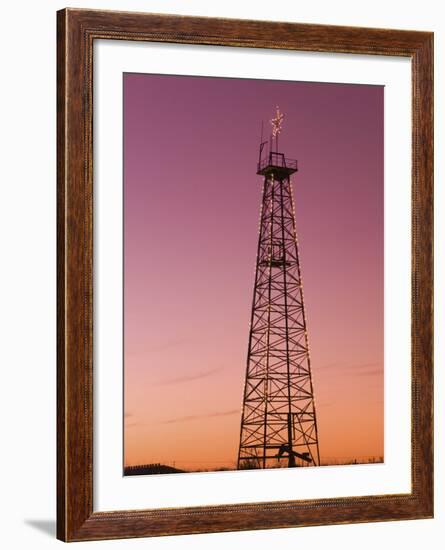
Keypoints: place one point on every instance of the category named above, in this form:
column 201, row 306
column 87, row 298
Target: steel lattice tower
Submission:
column 278, row 417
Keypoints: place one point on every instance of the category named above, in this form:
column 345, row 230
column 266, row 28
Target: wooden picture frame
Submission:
column 76, row 32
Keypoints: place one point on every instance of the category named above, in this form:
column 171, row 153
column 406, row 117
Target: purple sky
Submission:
column 192, row 202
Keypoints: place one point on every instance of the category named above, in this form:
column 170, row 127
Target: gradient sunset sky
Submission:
column 191, row 211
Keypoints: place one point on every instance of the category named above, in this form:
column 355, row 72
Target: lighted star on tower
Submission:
column 277, row 123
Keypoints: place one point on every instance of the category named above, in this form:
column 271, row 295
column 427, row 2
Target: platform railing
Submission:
column 277, row 160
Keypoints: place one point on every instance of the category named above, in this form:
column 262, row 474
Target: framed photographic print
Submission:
column 245, row 225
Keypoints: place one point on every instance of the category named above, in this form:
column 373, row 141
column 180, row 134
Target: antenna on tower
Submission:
column 262, row 144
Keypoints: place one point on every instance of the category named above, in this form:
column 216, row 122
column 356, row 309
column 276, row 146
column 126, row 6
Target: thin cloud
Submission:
column 370, row 372
column 189, row 378
column 199, row 416
column 131, row 424
column 129, row 421
column 374, row 366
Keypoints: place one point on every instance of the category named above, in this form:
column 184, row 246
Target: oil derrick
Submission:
column 278, row 417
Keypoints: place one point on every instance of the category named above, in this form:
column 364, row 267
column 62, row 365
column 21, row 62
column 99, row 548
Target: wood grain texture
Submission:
column 76, row 32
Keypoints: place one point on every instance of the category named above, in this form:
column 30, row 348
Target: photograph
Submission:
column 253, row 268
